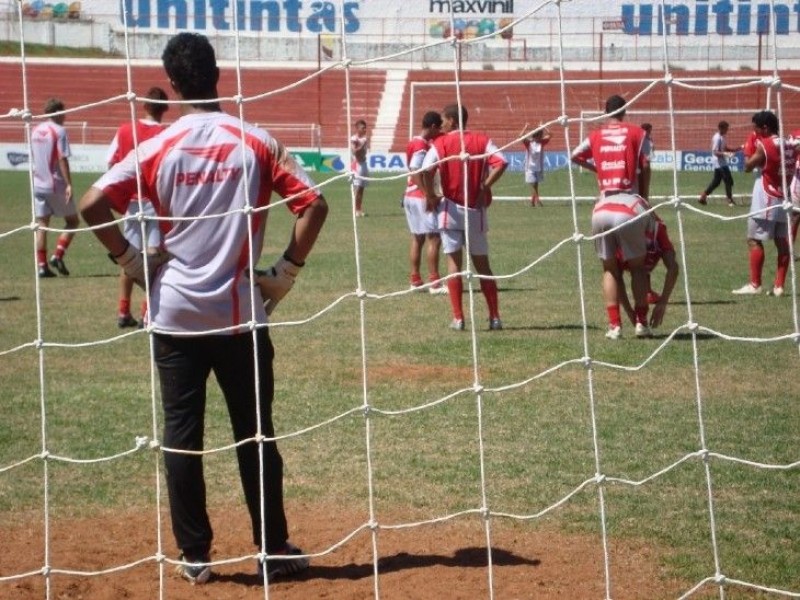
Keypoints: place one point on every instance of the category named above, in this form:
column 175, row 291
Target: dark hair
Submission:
column 766, row 118
column 451, row 112
column 647, row 127
column 723, row 125
column 154, row 108
column 615, row 106
column 361, row 122
column 431, row 119
column 191, row 66
column 53, row 105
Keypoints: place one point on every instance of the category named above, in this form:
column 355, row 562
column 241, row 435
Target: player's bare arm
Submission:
column 95, row 210
column 670, row 279
column 305, row 231
column 431, row 199
column 755, row 160
column 63, row 166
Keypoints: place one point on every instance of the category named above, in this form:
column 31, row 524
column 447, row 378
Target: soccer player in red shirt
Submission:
column 422, row 222
column 659, row 249
column 461, row 206
column 615, row 152
column 769, row 220
column 127, row 136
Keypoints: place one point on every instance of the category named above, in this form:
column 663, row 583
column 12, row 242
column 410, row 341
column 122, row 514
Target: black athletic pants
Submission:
column 184, row 364
column 722, row 174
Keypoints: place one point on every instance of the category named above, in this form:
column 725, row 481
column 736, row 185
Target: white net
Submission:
column 360, row 314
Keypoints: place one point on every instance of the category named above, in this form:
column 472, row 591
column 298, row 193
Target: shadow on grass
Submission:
column 10, row 299
column 465, row 557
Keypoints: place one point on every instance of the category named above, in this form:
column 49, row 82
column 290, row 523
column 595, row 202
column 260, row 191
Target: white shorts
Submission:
column 794, row 192
column 420, row 222
column 132, row 228
column 764, row 229
column 452, row 220
column 359, row 170
column 53, row 204
column 614, row 211
column 534, row 176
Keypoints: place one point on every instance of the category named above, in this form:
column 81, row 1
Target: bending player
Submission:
column 659, row 249
column 615, row 153
column 123, row 143
column 421, row 222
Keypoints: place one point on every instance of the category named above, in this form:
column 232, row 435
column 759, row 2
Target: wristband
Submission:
column 114, row 258
column 287, row 258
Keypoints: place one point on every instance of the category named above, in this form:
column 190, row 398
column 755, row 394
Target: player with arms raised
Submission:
column 615, row 152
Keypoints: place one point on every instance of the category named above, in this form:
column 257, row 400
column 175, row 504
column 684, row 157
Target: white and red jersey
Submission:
column 772, row 172
column 617, row 151
column 484, row 155
column 123, row 141
column 360, row 146
column 49, row 144
column 534, row 155
column 194, row 172
column 416, row 149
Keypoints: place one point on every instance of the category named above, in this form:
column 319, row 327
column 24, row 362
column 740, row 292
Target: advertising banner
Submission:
column 703, row 161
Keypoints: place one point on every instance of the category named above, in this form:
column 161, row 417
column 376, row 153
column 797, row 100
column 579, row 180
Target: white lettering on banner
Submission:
column 290, row 16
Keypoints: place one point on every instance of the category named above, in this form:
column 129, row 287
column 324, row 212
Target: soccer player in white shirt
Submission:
column 720, row 154
column 359, row 144
column 615, row 153
column 422, row 222
column 210, row 165
column 52, row 187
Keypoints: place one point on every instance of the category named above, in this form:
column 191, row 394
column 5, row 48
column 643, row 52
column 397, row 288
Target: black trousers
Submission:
column 184, row 364
column 722, row 174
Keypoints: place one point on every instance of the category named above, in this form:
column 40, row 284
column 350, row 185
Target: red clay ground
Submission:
column 445, row 561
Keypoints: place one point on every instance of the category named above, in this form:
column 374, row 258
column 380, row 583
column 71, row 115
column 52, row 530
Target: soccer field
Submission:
column 514, row 416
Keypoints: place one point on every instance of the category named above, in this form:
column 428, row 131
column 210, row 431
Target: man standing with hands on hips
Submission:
column 207, row 170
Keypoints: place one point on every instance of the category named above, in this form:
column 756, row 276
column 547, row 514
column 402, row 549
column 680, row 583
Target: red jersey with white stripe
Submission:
column 415, row 154
column 771, row 171
column 199, row 173
column 49, row 144
column 123, row 139
column 484, row 155
column 617, row 151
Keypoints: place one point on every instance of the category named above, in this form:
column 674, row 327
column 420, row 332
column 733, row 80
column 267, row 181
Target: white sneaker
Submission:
column 437, row 290
column 776, row 291
column 747, row 289
column 614, row 333
column 457, row 324
column 643, row 331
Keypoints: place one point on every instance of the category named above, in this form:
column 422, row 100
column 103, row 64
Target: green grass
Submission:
column 8, row 48
column 538, row 437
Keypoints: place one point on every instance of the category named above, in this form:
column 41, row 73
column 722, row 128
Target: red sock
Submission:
column 756, row 264
column 489, row 289
column 434, row 277
column 641, row 314
column 455, row 289
column 780, row 271
column 415, row 279
column 41, row 258
column 62, row 245
column 614, row 319
column 124, row 307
